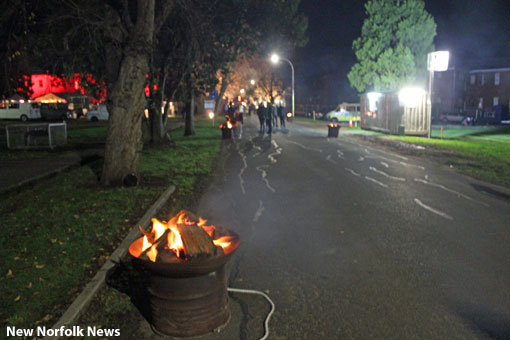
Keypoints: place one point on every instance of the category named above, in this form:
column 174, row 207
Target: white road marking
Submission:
column 352, row 172
column 277, row 152
column 376, row 181
column 384, row 164
column 367, row 152
column 435, row 211
column 304, row 147
column 258, row 213
column 245, row 166
column 449, row 190
column 387, row 175
column 340, row 154
column 412, row 165
column 330, row 160
column 361, row 158
column 264, row 177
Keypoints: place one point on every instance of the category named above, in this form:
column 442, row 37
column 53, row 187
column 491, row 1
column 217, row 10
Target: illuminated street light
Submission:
column 436, row 62
column 252, row 81
column 274, row 59
column 242, row 91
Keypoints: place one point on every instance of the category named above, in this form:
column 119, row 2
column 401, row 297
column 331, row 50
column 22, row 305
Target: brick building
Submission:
column 486, row 88
column 474, row 92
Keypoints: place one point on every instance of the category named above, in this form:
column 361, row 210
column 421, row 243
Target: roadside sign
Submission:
column 214, row 94
column 209, row 104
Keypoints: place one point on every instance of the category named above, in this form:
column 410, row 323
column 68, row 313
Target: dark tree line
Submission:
column 176, row 47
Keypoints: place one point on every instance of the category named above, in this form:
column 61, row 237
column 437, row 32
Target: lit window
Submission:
column 473, row 79
column 495, row 101
column 496, row 78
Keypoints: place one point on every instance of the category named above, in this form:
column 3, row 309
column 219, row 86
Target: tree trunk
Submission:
column 123, row 141
column 218, row 110
column 189, row 126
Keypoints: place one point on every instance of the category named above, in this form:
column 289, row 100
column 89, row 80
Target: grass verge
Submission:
column 56, row 234
column 480, row 152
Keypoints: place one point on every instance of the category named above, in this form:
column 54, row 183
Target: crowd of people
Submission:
column 268, row 113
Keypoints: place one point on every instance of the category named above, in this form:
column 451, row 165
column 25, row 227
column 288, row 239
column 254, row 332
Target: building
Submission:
column 486, row 89
column 475, row 92
column 448, row 93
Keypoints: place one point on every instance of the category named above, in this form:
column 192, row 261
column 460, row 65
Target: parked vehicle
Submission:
column 342, row 116
column 100, row 114
column 19, row 110
column 55, row 111
column 455, row 118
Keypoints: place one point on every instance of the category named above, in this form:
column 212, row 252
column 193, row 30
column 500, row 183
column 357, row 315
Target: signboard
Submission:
column 214, row 94
column 438, row 61
column 209, row 104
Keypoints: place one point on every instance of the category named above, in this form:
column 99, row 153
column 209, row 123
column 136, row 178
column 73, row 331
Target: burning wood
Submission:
column 184, row 237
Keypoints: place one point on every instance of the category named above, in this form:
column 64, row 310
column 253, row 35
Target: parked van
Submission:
column 100, row 114
column 19, row 110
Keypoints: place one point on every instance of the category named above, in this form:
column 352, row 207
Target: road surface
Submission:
column 354, row 241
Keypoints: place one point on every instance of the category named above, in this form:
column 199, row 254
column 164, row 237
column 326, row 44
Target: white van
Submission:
column 100, row 114
column 19, row 110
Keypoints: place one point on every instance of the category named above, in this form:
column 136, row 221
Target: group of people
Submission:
column 268, row 114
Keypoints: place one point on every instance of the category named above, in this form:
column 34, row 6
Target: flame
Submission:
column 223, row 241
column 229, row 125
column 175, row 242
column 148, row 244
column 152, row 253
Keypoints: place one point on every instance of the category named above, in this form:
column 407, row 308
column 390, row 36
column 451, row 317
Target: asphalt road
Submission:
column 357, row 242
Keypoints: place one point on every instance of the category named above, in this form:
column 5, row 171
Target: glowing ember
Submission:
column 181, row 231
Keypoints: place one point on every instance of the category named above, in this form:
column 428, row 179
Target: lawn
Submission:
column 486, row 149
column 56, row 234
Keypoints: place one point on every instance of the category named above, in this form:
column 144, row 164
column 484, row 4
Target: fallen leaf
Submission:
column 39, row 266
column 61, row 243
column 16, row 258
column 53, row 240
column 29, row 285
column 9, row 274
column 17, row 298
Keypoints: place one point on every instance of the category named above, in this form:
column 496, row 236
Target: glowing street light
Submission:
column 274, row 59
column 242, row 91
column 252, row 81
column 436, row 62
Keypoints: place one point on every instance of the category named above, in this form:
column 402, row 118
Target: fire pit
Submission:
column 187, row 285
column 333, row 129
column 226, row 130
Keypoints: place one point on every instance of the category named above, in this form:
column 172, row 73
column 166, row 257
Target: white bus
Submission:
column 19, row 110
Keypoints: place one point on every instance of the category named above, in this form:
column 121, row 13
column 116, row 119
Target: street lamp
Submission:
column 274, row 59
column 252, row 81
column 436, row 62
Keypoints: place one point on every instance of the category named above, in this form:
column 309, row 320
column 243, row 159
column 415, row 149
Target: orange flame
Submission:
column 229, row 125
column 149, row 242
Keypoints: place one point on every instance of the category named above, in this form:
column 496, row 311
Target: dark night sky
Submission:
column 476, row 32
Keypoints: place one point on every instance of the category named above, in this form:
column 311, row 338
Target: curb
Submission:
column 83, row 300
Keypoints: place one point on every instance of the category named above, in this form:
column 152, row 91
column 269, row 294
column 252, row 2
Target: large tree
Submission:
column 392, row 49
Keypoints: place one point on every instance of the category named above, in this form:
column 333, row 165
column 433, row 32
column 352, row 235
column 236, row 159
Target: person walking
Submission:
column 274, row 116
column 262, row 116
column 281, row 115
column 239, row 120
column 269, row 118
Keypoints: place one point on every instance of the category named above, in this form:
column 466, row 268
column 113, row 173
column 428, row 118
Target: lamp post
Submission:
column 436, row 62
column 274, row 59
